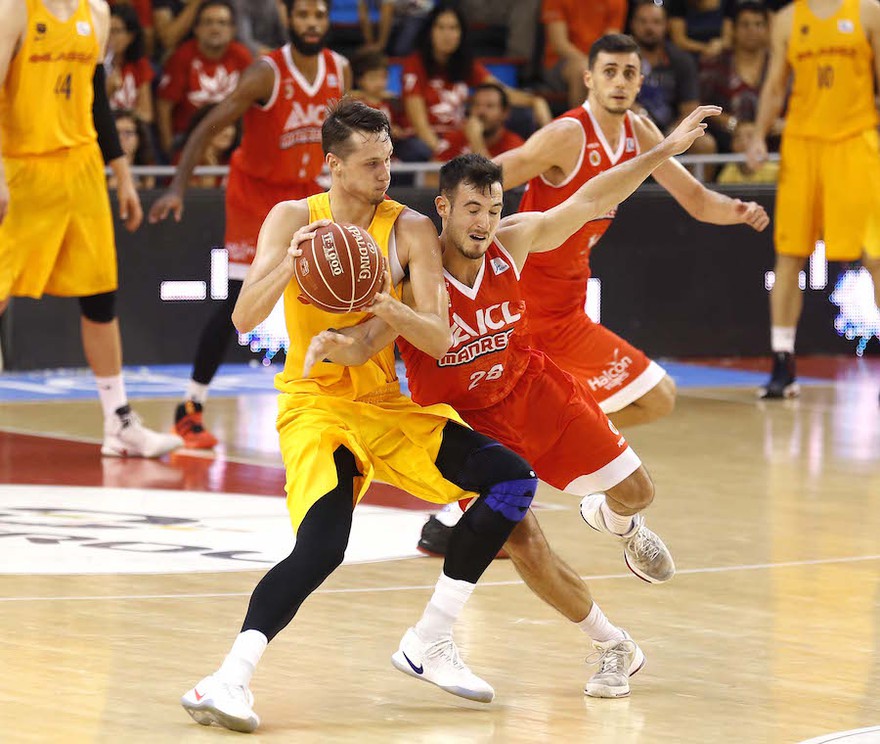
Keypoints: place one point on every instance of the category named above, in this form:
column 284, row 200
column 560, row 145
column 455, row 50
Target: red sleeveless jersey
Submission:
column 486, row 358
column 282, row 140
column 555, row 283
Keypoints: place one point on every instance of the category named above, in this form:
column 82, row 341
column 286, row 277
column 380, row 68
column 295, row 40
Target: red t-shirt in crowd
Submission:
column 134, row 75
column 444, row 99
column 585, row 21
column 456, row 143
column 192, row 81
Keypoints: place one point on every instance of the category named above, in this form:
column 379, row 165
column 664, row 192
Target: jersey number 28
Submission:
column 493, row 374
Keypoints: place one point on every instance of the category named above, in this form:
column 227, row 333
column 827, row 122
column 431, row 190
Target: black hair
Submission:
column 612, row 44
column 461, row 63
column 474, row 169
column 290, row 3
column 499, row 89
column 214, row 4
column 367, row 60
column 347, row 116
column 145, row 154
column 636, row 4
column 128, row 16
column 750, row 6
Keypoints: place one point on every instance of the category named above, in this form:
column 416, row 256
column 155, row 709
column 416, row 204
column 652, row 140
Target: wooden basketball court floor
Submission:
column 768, row 633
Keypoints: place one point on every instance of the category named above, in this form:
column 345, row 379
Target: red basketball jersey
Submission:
column 555, row 283
column 282, row 140
column 486, row 357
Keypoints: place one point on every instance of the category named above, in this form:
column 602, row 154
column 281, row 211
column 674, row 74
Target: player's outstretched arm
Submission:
column 772, row 98
column 533, row 232
column 424, row 322
column 286, row 226
column 701, row 203
column 255, row 85
column 554, row 147
column 14, row 15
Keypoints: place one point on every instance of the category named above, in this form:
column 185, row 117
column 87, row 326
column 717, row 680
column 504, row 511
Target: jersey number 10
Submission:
column 62, row 86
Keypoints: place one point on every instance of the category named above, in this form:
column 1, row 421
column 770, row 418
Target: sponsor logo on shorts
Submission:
column 615, row 374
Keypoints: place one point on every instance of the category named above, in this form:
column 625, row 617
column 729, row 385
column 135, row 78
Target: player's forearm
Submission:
column 770, row 106
column 121, row 171
column 173, row 32
column 425, row 331
column 369, row 338
column 715, row 208
column 258, row 299
column 194, row 148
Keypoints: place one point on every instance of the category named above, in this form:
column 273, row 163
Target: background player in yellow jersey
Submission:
column 56, row 228
column 829, row 180
column 344, row 426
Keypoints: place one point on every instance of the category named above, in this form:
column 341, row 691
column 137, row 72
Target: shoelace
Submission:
column 613, row 660
column 646, row 543
column 445, row 650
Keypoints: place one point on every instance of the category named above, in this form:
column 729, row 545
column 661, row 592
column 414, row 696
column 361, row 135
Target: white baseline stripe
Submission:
column 427, row 587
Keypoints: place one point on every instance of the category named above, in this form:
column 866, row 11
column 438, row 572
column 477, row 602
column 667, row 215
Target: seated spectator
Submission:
column 518, row 17
column 217, row 151
column 736, row 173
column 144, row 10
column 400, row 22
column 436, row 81
column 729, row 8
column 670, row 88
column 135, row 142
column 369, row 71
column 733, row 80
column 129, row 73
column 173, row 21
column 696, row 26
column 202, row 71
column 484, row 132
column 571, row 27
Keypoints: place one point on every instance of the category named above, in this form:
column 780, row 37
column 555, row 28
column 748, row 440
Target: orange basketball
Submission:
column 341, row 268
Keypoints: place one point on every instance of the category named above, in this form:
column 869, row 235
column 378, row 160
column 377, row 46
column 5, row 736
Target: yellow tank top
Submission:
column 377, row 377
column 46, row 100
column 833, row 93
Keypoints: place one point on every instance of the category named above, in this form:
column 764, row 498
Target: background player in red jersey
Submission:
column 499, row 384
column 555, row 162
column 283, row 98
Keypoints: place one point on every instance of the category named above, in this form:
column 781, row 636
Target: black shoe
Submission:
column 435, row 537
column 782, row 382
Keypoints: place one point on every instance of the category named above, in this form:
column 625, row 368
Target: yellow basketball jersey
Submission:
column 46, row 100
column 833, row 93
column 378, row 375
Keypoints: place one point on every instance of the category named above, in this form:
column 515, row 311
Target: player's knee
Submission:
column 666, row 395
column 788, row 266
column 99, row 308
column 636, row 491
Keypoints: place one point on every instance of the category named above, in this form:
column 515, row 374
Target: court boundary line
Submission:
column 428, row 587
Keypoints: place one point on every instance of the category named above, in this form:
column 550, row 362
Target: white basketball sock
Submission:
column 619, row 524
column 111, row 391
column 782, row 339
column 599, row 627
column 450, row 596
column 450, row 514
column 241, row 661
column 196, row 392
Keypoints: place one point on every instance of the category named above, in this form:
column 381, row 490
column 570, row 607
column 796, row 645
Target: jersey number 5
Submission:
column 62, row 86
column 493, row 374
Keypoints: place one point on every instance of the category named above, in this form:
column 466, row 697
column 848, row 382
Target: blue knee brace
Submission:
column 511, row 499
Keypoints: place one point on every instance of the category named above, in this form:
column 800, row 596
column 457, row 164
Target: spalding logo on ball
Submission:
column 341, row 268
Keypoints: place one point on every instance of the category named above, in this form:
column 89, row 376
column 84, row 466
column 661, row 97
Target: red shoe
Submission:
column 188, row 425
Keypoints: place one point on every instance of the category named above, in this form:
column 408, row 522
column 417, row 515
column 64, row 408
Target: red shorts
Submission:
column 248, row 201
column 552, row 421
column 615, row 372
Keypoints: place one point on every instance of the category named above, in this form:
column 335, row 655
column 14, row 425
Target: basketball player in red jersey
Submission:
column 283, row 98
column 504, row 388
column 556, row 161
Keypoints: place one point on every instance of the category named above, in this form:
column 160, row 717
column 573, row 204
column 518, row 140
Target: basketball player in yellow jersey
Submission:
column 345, row 426
column 56, row 228
column 829, row 182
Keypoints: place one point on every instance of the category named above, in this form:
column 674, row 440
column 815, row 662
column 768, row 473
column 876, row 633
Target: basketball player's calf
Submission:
column 786, row 302
column 554, row 581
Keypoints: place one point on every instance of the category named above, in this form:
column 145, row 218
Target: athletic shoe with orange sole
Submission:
column 189, row 426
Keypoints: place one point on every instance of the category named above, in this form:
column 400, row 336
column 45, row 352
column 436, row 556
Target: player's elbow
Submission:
column 440, row 345
column 241, row 321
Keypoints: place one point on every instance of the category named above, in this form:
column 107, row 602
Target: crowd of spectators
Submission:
column 169, row 61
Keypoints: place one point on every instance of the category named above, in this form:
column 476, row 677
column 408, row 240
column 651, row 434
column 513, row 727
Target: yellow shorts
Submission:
column 829, row 190
column 57, row 237
column 393, row 440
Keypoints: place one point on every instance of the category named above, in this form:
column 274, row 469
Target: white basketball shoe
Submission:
column 440, row 664
column 618, row 661
column 126, row 436
column 645, row 553
column 227, row 705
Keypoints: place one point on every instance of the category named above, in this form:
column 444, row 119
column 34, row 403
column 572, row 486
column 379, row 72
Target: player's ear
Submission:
column 442, row 205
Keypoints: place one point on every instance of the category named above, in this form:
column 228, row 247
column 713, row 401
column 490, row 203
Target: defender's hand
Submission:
column 752, row 214
column 322, row 346
column 169, row 202
column 690, row 128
